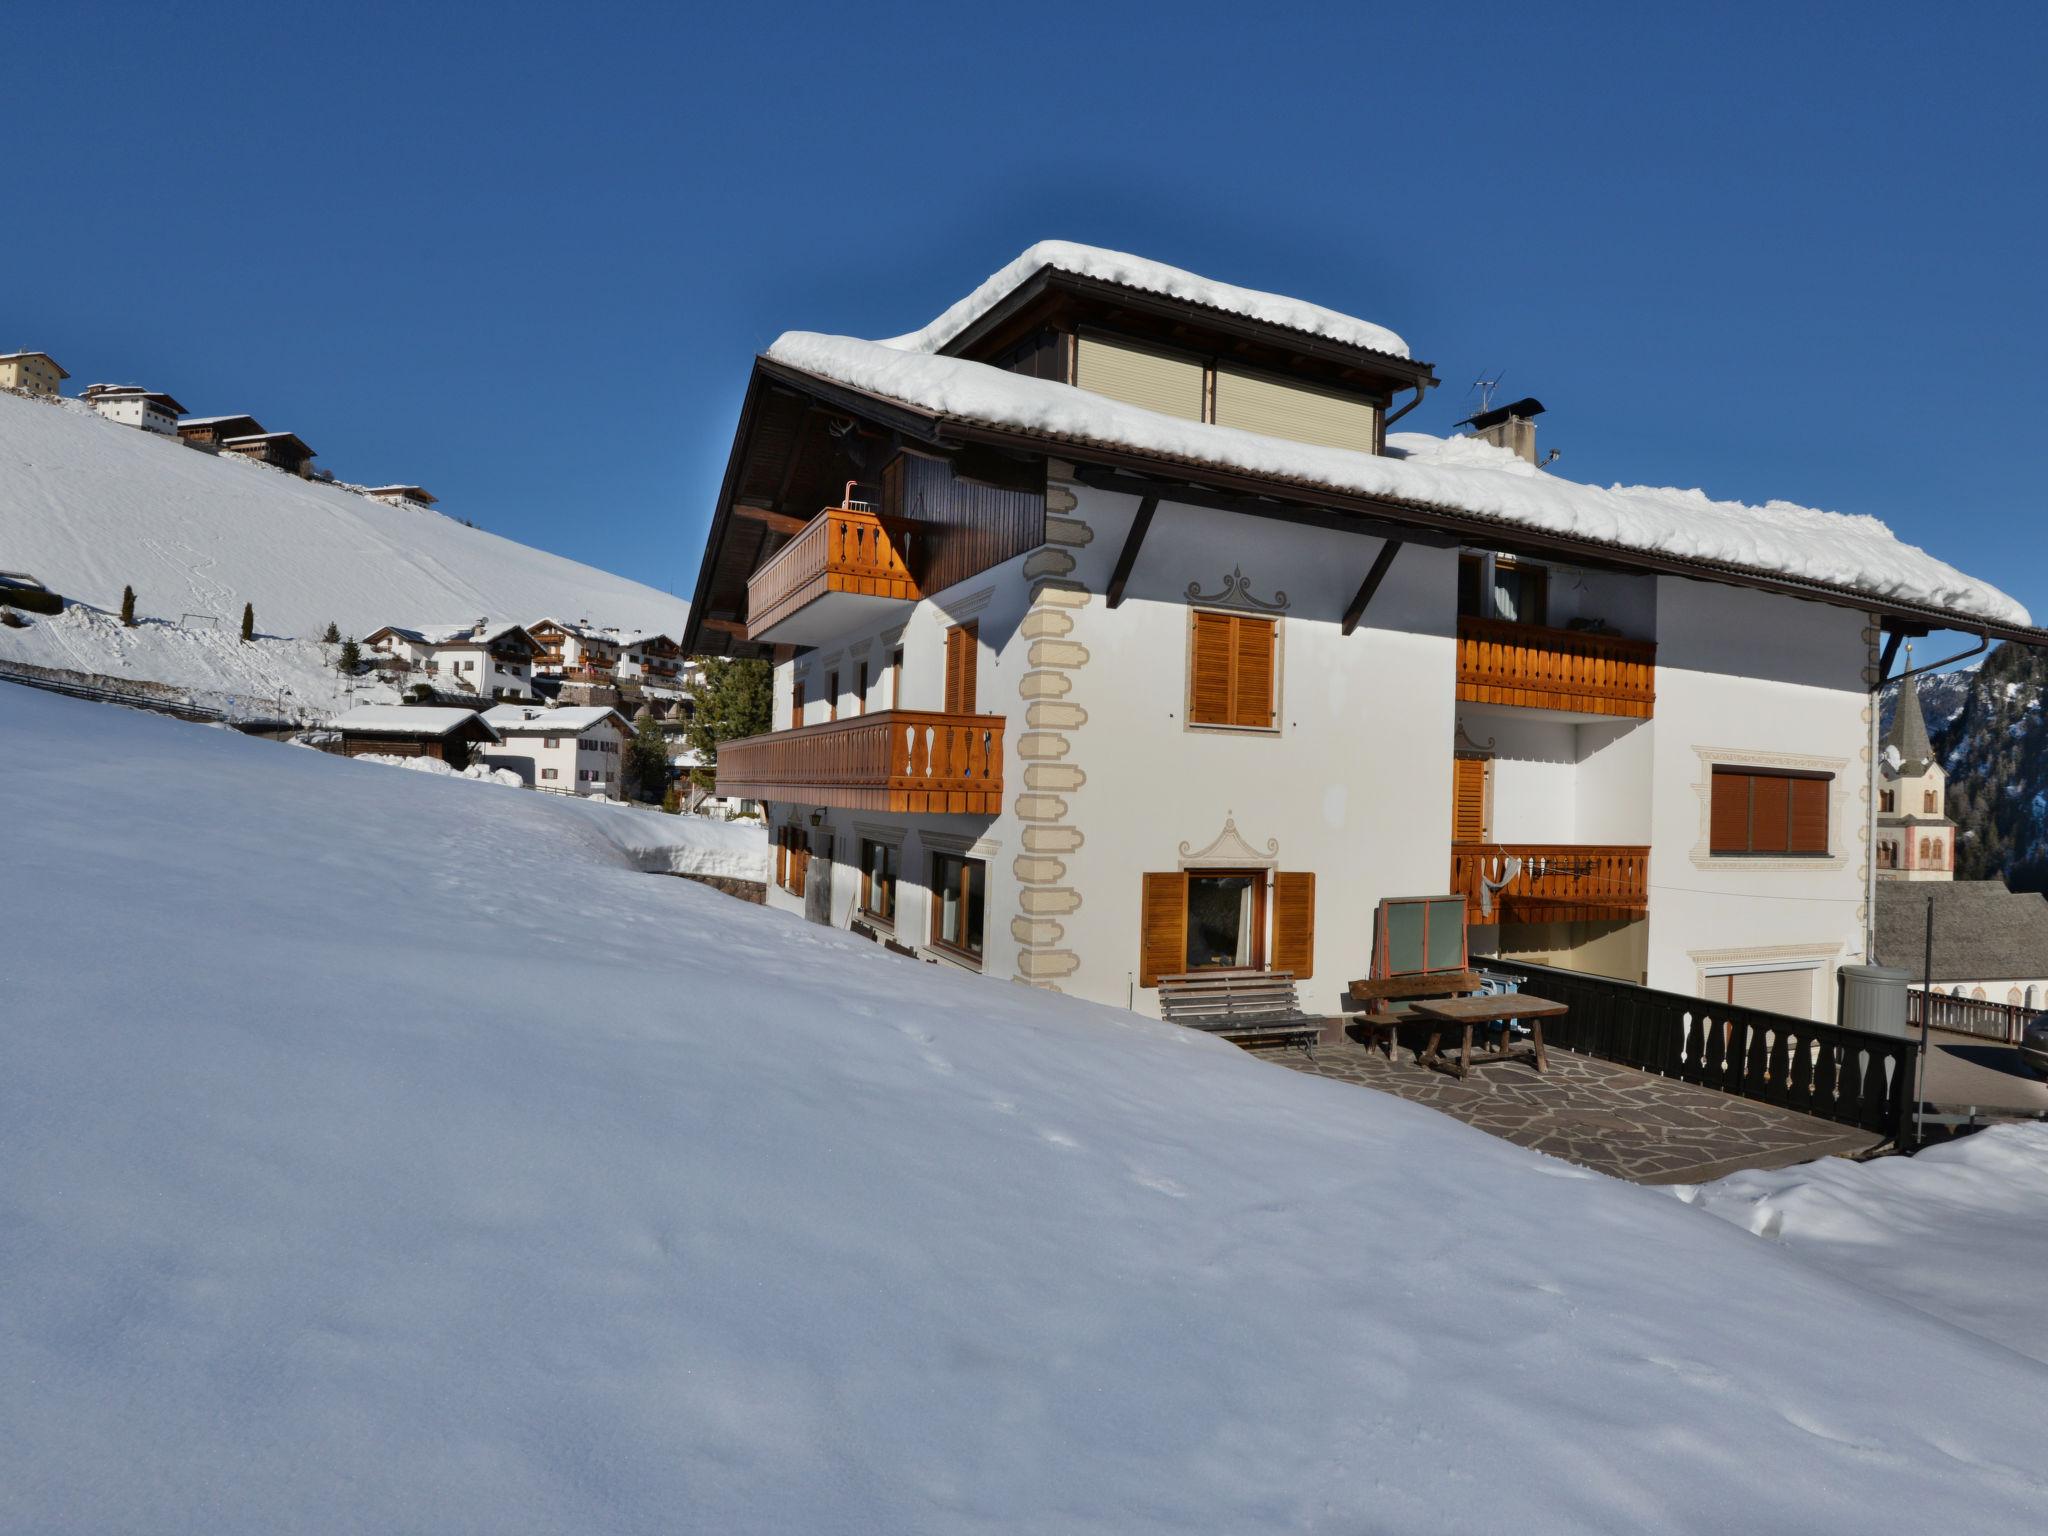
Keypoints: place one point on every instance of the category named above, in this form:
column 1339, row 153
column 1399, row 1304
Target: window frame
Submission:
column 893, row 870
column 971, row 890
column 1262, row 891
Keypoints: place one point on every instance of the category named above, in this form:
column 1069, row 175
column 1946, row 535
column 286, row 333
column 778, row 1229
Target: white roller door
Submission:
column 1785, row 991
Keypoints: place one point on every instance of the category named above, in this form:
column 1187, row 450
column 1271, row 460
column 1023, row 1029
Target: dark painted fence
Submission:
column 1847, row 1075
column 1971, row 1016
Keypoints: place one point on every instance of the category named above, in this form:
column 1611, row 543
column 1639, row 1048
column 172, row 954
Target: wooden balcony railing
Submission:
column 1500, row 662
column 1558, row 882
column 842, row 549
column 902, row 760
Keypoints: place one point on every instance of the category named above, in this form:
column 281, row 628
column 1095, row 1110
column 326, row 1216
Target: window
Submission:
column 959, row 892
column 1927, row 801
column 1761, row 812
column 792, row 859
column 796, row 703
column 553, row 741
column 1886, row 856
column 550, row 773
column 878, row 881
column 1515, row 592
column 831, row 695
column 1223, row 919
column 1231, row 670
column 1884, row 801
column 963, row 654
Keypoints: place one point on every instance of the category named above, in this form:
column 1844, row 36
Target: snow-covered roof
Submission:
column 213, row 421
column 1461, row 476
column 406, row 718
column 531, row 720
column 20, row 357
column 1135, row 272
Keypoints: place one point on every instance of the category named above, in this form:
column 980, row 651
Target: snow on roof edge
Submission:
column 1148, row 276
column 1461, row 475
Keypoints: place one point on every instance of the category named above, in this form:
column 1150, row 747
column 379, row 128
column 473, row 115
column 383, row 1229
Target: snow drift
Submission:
column 383, row 1150
column 89, row 505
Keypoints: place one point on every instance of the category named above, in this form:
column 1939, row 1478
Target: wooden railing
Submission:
column 1970, row 1015
column 1558, row 882
column 839, row 550
column 894, row 760
column 1847, row 1075
column 1500, row 662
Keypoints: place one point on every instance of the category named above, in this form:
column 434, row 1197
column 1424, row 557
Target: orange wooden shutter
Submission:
column 1253, row 647
column 1294, row 924
column 1729, row 821
column 961, row 655
column 1810, row 815
column 1770, row 813
column 796, row 704
column 1468, row 800
column 1209, row 688
column 1163, row 928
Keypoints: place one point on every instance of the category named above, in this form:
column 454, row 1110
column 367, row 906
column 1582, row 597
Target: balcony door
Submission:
column 963, row 644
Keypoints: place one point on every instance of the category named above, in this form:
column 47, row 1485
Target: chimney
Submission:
column 1512, row 427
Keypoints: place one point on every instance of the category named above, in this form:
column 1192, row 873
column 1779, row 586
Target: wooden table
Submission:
column 1464, row 1012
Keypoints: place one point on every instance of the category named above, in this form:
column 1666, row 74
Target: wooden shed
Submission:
column 398, row 730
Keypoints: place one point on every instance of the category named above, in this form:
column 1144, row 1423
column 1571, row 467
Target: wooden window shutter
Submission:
column 1163, row 928
column 1468, row 800
column 1809, row 815
column 1770, row 813
column 1728, row 823
column 1209, row 682
column 1253, row 704
column 962, row 652
column 1294, row 924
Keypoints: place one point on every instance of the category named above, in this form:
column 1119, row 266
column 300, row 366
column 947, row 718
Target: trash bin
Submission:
column 1873, row 998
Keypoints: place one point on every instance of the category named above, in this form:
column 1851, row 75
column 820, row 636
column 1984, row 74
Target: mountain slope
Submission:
column 347, row 1183
column 89, row 506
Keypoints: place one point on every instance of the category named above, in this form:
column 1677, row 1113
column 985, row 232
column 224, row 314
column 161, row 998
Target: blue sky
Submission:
column 522, row 254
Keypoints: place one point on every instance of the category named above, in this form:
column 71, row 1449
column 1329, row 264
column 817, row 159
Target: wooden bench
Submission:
column 1241, row 1006
column 1389, row 1000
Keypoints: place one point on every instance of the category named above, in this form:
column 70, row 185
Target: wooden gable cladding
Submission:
column 1231, row 669
column 969, row 514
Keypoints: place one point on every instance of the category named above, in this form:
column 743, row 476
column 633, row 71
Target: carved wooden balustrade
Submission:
column 1558, row 882
column 904, row 760
column 842, row 549
column 1537, row 668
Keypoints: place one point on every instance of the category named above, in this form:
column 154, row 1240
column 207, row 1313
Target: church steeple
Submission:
column 1915, row 838
column 1908, row 732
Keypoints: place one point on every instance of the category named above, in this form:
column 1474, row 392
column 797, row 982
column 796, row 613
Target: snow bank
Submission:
column 661, row 844
column 478, row 771
column 384, row 1153
column 1149, row 277
column 1456, row 475
column 88, row 505
column 1960, row 1231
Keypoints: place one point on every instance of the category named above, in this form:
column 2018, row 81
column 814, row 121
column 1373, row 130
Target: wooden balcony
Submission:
column 841, row 550
column 901, row 760
column 1500, row 662
column 1559, row 882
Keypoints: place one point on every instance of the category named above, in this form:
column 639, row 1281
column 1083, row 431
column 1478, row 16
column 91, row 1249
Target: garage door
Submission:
column 1789, row 992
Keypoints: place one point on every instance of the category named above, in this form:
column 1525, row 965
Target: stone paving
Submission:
column 1652, row 1130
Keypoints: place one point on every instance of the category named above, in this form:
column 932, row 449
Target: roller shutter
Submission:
column 1159, row 381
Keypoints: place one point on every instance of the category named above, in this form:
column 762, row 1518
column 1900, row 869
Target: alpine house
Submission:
column 1116, row 635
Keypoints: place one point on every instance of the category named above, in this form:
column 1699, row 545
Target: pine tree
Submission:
column 248, row 622
column 128, row 606
column 734, row 698
column 333, row 635
column 647, row 759
column 351, row 655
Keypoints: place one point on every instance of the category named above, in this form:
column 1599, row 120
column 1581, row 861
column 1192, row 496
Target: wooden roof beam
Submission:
column 1128, row 557
column 768, row 517
column 1382, row 562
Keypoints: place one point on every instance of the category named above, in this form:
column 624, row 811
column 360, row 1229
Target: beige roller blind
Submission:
column 1159, row 381
column 1788, row 992
column 1257, row 403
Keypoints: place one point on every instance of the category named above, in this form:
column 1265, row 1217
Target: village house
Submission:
column 570, row 749
column 647, row 658
column 401, row 495
column 151, row 410
column 33, row 373
column 493, row 661
column 575, row 651
column 1116, row 634
column 210, row 433
column 281, row 450
column 397, row 730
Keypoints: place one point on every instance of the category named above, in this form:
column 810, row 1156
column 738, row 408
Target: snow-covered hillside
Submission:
column 89, row 506
column 382, row 1151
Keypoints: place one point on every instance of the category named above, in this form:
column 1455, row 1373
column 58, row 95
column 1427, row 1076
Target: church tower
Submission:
column 1915, row 838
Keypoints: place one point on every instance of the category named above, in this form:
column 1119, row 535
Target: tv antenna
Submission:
column 1486, row 387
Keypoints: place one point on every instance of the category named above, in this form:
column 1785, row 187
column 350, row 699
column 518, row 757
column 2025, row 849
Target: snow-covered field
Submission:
column 88, row 505
column 1960, row 1231
column 380, row 1152
column 209, row 661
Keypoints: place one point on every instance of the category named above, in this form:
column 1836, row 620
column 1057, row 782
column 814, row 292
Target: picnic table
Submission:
column 1444, row 1014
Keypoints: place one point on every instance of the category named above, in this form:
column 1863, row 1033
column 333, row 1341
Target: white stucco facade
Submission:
column 137, row 410
column 575, row 750
column 1105, row 779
